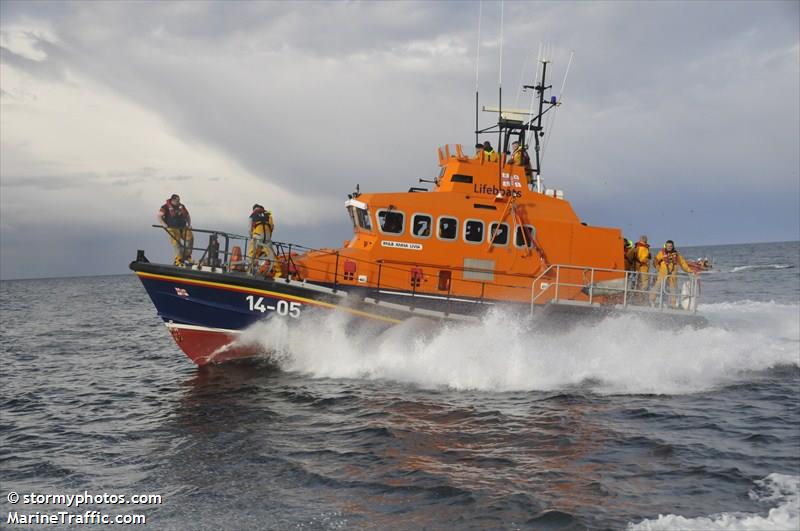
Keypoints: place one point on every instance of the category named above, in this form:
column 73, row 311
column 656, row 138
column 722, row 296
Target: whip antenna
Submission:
column 555, row 112
column 477, row 65
column 533, row 95
column 500, row 104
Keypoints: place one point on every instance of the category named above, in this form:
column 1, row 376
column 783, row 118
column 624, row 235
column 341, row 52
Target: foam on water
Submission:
column 778, row 490
column 619, row 355
column 760, row 267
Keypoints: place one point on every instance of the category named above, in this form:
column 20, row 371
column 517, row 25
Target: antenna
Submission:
column 477, row 64
column 500, row 104
column 552, row 123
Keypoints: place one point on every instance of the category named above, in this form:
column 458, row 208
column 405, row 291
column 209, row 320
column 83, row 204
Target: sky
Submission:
column 678, row 120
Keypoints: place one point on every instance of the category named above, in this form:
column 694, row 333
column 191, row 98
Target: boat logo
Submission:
column 493, row 190
column 402, row 245
column 181, row 292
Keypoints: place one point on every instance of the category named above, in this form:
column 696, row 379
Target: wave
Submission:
column 760, row 267
column 779, row 489
column 619, row 355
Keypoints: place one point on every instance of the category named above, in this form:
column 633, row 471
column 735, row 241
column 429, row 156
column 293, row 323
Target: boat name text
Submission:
column 282, row 307
column 402, row 245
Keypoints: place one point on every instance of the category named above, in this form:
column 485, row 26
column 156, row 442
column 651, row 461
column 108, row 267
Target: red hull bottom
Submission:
column 207, row 345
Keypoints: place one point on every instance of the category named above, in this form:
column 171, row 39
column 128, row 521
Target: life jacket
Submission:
column 174, row 216
column 670, row 259
column 261, row 217
column 640, row 244
column 524, row 158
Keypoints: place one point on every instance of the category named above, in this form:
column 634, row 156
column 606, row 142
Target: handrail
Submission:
column 677, row 292
column 631, row 291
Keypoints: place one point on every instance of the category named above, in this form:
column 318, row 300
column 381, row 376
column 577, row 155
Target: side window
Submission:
column 363, row 219
column 473, row 231
column 421, row 225
column 390, row 221
column 521, row 240
column 498, row 233
column 350, row 210
column 448, row 228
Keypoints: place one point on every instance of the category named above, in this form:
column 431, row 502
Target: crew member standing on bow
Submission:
column 174, row 217
column 261, row 227
column 667, row 262
column 641, row 263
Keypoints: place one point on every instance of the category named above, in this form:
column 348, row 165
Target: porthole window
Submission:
column 498, row 233
column 448, row 228
column 421, row 225
column 526, row 239
column 391, row 221
column 473, row 231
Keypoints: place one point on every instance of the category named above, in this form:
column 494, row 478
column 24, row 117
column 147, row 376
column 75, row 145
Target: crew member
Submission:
column 520, row 157
column 667, row 262
column 641, row 265
column 630, row 255
column 261, row 227
column 490, row 155
column 479, row 152
column 174, row 217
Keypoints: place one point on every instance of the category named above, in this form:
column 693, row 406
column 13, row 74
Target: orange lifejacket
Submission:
column 670, row 259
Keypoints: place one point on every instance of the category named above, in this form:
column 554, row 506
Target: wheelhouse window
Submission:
column 351, row 211
column 391, row 221
column 524, row 239
column 421, row 225
column 363, row 219
column 498, row 233
column 473, row 231
column 448, row 228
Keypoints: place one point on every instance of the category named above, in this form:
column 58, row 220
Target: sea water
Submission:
column 617, row 425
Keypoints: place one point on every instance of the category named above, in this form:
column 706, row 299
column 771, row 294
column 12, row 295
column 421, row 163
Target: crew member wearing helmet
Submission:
column 261, row 227
column 630, row 255
column 175, row 218
column 667, row 262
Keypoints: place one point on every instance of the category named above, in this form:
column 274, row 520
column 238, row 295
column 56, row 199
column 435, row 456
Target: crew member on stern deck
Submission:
column 667, row 262
column 642, row 267
column 174, row 217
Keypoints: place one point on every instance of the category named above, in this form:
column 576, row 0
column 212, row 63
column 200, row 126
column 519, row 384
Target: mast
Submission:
column 522, row 122
column 540, row 88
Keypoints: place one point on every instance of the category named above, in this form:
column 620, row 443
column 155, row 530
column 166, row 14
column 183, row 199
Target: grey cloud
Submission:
column 49, row 182
column 670, row 107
